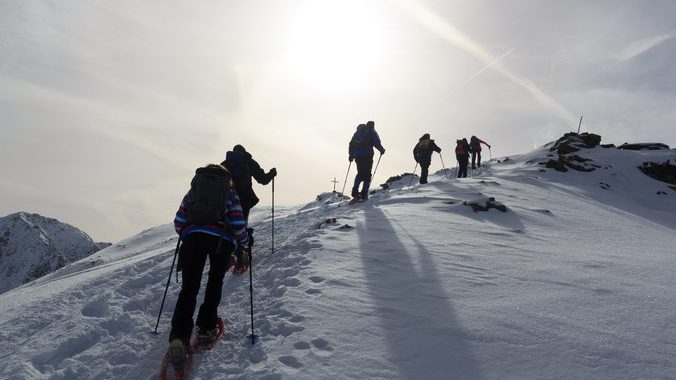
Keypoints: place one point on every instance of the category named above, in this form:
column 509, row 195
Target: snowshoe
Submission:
column 356, row 199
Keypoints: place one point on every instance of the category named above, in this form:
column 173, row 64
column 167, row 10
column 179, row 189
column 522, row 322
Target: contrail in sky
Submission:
column 451, row 34
column 639, row 47
column 482, row 70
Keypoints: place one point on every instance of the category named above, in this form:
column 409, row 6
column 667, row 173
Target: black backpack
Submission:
column 209, row 191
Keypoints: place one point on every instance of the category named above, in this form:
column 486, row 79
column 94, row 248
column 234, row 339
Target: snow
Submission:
column 574, row 281
column 32, row 245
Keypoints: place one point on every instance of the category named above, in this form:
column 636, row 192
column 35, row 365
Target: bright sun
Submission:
column 334, row 45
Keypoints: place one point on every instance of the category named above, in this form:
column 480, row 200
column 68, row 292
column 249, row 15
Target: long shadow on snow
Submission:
column 423, row 335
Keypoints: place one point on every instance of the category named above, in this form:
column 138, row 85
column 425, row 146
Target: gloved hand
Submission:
column 382, row 152
column 350, row 158
column 250, row 231
column 273, row 172
column 489, row 147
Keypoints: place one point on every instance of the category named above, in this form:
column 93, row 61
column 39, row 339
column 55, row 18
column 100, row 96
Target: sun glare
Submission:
column 334, row 45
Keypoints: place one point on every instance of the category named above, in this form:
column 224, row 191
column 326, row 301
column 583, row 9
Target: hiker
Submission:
column 462, row 155
column 475, row 148
column 243, row 167
column 361, row 150
column 205, row 231
column 422, row 153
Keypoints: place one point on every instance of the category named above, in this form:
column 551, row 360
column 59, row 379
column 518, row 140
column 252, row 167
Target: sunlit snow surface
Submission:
column 575, row 281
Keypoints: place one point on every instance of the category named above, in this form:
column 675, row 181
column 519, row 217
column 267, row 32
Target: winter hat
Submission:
column 371, row 124
column 425, row 136
column 239, row 148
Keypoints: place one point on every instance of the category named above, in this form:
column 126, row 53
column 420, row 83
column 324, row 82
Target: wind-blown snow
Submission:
column 574, row 281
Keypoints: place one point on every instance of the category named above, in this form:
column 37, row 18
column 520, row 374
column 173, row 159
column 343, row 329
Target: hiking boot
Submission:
column 177, row 353
column 243, row 259
column 240, row 268
column 205, row 335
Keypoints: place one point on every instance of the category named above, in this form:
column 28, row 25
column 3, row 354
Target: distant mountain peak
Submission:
column 32, row 245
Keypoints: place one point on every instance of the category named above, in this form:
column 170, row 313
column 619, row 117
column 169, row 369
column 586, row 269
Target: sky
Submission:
column 107, row 107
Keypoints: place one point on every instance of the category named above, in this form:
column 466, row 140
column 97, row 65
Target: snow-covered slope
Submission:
column 32, row 245
column 574, row 281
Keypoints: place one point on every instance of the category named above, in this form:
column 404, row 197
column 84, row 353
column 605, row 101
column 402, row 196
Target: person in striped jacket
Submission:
column 199, row 241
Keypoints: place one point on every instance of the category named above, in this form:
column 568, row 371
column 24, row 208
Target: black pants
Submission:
column 193, row 255
column 364, row 165
column 424, row 171
column 476, row 155
column 462, row 163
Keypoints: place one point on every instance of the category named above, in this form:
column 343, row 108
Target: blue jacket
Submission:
column 363, row 141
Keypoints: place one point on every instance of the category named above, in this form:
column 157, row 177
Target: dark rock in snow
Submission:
column 665, row 171
column 557, row 165
column 573, row 142
column 644, row 146
column 579, row 163
column 484, row 204
column 570, row 143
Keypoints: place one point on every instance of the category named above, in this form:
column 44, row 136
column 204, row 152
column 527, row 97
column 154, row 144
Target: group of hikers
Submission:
column 425, row 147
column 365, row 139
column 212, row 222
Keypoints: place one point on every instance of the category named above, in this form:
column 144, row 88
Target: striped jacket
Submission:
column 235, row 234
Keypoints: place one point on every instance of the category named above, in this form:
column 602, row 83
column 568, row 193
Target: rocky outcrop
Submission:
column 571, row 143
column 644, row 146
column 665, row 171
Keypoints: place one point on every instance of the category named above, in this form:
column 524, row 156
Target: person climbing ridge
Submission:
column 475, row 149
column 361, row 151
column 422, row 154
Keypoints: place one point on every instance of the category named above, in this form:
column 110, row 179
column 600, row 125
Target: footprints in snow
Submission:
column 317, row 347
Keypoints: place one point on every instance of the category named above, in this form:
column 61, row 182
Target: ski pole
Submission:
column 178, row 243
column 413, row 175
column 442, row 165
column 345, row 183
column 376, row 169
column 490, row 153
column 253, row 336
column 273, row 215
column 346, row 175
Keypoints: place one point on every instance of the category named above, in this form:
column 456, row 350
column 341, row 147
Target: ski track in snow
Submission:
column 573, row 281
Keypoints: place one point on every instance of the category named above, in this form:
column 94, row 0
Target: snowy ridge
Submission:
column 32, row 246
column 574, row 281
